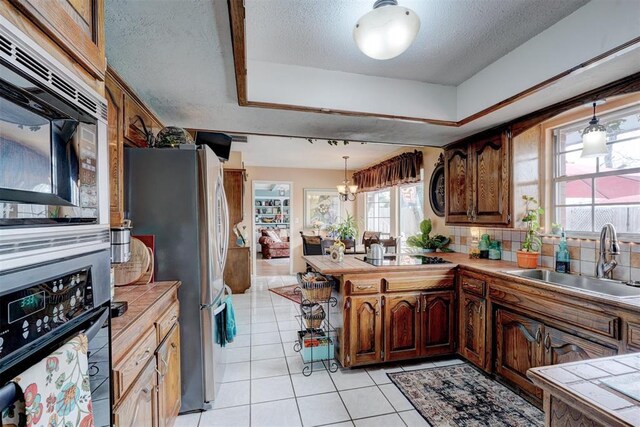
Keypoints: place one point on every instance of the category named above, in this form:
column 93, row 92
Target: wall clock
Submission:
column 436, row 187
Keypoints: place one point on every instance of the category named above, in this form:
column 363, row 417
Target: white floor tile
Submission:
column 259, row 328
column 237, row 355
column 366, row 402
column 395, row 396
column 390, row 420
column 240, row 341
column 379, row 375
column 229, row 417
column 289, row 336
column 281, row 413
column 265, row 338
column 269, row 368
column 413, row 419
column 244, row 329
column 316, row 383
column 233, row 394
column 267, row 317
column 188, row 420
column 288, row 349
column 322, row 409
column 417, row 366
column 274, row 388
column 269, row 351
column 351, row 378
column 448, row 362
column 343, row 424
column 289, row 325
column 237, row 372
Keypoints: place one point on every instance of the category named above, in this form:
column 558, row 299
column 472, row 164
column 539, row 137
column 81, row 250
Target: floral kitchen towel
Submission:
column 56, row 390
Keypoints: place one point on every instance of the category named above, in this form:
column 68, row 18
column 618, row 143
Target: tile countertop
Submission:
column 351, row 265
column 580, row 384
column 139, row 298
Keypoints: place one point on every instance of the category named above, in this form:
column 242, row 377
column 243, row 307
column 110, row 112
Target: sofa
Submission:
column 273, row 244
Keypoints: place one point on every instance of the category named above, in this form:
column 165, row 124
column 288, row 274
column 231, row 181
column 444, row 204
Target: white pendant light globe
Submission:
column 594, row 138
column 387, row 30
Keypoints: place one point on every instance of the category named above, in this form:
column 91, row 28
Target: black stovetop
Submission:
column 403, row 259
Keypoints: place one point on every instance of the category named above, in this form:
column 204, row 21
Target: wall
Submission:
column 301, row 179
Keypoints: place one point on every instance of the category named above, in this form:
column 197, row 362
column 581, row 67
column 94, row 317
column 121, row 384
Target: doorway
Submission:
column 272, row 215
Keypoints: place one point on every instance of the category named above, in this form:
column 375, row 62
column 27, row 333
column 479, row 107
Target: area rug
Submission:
column 459, row 395
column 288, row 292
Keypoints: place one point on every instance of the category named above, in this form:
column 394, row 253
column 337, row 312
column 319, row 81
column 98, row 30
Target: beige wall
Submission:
column 301, row 179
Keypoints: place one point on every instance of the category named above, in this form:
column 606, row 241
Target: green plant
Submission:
column 531, row 218
column 425, row 241
column 345, row 229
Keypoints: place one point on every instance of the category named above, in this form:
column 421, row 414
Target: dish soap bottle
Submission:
column 563, row 264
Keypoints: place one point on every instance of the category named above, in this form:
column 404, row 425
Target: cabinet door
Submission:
column 234, row 189
column 138, row 407
column 437, row 324
column 77, row 26
column 139, row 123
column 365, row 330
column 169, row 395
column 115, row 99
column 472, row 328
column 492, row 185
column 518, row 348
column 401, row 325
column 561, row 347
column 459, row 182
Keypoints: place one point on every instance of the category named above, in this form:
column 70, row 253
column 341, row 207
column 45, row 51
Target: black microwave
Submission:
column 48, row 155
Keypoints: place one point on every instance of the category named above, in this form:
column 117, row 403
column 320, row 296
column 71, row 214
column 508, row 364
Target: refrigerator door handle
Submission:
column 225, row 226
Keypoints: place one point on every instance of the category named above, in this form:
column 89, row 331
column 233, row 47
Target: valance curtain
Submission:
column 402, row 169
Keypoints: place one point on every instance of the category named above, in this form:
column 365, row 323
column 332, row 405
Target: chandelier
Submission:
column 594, row 138
column 346, row 190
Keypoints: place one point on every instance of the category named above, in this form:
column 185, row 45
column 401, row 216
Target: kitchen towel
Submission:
column 55, row 391
column 232, row 329
column 221, row 327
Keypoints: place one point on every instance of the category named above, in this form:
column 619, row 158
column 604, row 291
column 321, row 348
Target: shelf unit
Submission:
column 260, row 211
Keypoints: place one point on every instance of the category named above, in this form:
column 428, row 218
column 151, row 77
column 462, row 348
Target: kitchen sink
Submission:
column 613, row 288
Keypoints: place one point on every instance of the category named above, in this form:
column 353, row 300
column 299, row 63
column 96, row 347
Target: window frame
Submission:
column 399, row 207
column 366, row 208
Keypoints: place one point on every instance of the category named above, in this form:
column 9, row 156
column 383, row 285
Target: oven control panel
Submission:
column 37, row 310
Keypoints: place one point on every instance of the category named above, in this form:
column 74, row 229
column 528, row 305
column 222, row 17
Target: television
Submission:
column 220, row 143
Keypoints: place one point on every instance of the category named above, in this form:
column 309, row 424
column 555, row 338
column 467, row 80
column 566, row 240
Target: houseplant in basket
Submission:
column 345, row 230
column 530, row 251
column 425, row 242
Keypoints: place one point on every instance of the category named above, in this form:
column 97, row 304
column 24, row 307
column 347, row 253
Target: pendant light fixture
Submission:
column 387, row 30
column 347, row 191
column 594, row 138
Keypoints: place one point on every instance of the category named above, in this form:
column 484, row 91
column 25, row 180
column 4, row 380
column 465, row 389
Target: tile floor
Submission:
column 263, row 384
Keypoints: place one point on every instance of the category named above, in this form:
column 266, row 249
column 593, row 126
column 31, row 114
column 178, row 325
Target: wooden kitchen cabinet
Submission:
column 140, row 124
column 472, row 328
column 234, row 189
column 562, row 347
column 365, row 330
column 237, row 271
column 518, row 344
column 138, row 407
column 169, row 393
column 402, row 326
column 437, row 323
column 478, row 181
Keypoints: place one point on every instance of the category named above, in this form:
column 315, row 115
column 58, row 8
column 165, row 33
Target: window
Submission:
column 411, row 205
column 588, row 193
column 378, row 208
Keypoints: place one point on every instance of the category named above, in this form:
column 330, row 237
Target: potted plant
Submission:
column 427, row 243
column 345, row 230
column 529, row 253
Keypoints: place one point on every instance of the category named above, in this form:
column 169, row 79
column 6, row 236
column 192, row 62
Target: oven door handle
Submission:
column 8, row 395
column 93, row 329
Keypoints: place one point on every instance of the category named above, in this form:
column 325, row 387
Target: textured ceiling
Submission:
column 457, row 38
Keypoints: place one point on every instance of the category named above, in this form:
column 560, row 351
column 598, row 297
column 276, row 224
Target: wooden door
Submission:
column 437, row 323
column 519, row 347
column 77, row 26
column 365, row 330
column 472, row 329
column 115, row 98
column 402, row 326
column 169, row 385
column 561, row 347
column 492, row 183
column 138, row 407
column 234, row 189
column 459, row 182
column 237, row 270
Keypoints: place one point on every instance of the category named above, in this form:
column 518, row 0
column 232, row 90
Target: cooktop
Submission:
column 403, row 259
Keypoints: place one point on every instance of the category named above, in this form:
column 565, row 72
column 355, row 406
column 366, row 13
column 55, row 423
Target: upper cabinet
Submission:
column 478, row 181
column 77, row 26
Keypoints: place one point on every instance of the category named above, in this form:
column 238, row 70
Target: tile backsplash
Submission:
column 583, row 252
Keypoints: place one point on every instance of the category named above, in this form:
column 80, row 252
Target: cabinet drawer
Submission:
column 363, row 286
column 440, row 281
column 473, row 286
column 633, row 335
column 166, row 322
column 133, row 362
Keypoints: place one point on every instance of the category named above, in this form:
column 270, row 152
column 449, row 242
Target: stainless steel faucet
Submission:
column 604, row 268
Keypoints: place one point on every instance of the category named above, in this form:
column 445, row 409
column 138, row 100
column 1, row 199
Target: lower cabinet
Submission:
column 365, row 330
column 138, row 407
column 438, row 323
column 561, row 347
column 472, row 328
column 168, row 362
column 402, row 326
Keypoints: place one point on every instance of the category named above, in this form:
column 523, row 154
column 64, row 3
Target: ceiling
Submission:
column 300, row 153
column 456, row 39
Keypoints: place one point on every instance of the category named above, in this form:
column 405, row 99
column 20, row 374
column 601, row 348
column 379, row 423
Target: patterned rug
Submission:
column 288, row 292
column 459, row 395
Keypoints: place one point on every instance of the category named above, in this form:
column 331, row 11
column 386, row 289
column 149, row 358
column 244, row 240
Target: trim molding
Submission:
column 238, row 39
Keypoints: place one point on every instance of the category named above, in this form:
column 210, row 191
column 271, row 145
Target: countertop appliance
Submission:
column 403, row 259
column 377, row 252
column 178, row 196
column 48, row 304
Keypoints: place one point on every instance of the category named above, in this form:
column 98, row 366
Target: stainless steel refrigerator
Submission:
column 178, row 196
